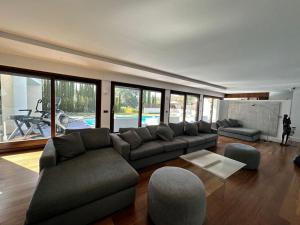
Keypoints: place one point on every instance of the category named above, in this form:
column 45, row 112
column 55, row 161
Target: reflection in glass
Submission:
column 176, row 108
column 191, row 110
column 151, row 107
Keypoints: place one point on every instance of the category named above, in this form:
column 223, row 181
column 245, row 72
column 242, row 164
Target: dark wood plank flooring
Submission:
column 270, row 196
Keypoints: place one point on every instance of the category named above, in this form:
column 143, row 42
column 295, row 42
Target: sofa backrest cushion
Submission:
column 165, row 133
column 234, row 123
column 68, row 146
column 178, row 128
column 191, row 129
column 143, row 132
column 223, row 123
column 204, row 127
column 94, row 138
column 132, row 138
column 152, row 129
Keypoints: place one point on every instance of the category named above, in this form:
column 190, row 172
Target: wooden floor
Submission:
column 270, row 196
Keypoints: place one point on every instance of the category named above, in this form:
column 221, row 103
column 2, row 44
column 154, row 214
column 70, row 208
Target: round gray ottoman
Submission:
column 243, row 153
column 176, row 197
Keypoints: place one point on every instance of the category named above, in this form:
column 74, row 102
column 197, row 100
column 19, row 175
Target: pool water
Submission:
column 91, row 121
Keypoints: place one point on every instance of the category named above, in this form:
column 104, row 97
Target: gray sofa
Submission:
column 157, row 150
column 236, row 130
column 85, row 188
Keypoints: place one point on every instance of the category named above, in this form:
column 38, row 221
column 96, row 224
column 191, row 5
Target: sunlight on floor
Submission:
column 27, row 160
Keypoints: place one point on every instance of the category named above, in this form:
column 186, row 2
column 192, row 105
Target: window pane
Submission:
column 176, row 108
column 24, row 108
column 151, row 107
column 215, row 109
column 126, row 108
column 191, row 109
column 75, row 105
column 207, row 107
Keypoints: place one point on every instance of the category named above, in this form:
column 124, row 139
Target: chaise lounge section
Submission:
column 84, row 188
column 233, row 128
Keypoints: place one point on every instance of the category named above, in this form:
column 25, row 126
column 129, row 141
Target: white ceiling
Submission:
column 242, row 45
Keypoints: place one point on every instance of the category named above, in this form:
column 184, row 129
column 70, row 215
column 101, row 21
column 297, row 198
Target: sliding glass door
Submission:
column 183, row 107
column 151, row 107
column 210, row 109
column 177, row 105
column 75, row 105
column 25, row 107
column 135, row 106
column 126, row 107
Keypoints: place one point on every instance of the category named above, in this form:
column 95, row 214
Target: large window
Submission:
column 183, row 107
column 210, row 109
column 25, row 107
column 37, row 105
column 75, row 105
column 135, row 106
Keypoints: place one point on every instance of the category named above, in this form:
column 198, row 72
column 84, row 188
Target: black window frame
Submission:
column 31, row 144
column 185, row 94
column 141, row 88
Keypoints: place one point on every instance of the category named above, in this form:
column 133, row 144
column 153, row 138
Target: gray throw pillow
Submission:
column 204, row 127
column 68, row 146
column 191, row 129
column 165, row 133
column 144, row 133
column 152, row 129
column 94, row 138
column 178, row 128
column 132, row 138
column 226, row 123
column 234, row 123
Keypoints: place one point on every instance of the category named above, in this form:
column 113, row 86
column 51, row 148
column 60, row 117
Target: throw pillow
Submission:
column 132, row 138
column 226, row 123
column 68, row 146
column 93, row 138
column 178, row 128
column 152, row 129
column 191, row 129
column 165, row 133
column 234, row 123
column 204, row 127
column 144, row 133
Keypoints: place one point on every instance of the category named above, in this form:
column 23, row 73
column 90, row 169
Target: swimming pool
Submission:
column 146, row 119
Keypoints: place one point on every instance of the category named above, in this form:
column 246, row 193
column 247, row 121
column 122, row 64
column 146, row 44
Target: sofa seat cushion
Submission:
column 194, row 141
column 174, row 145
column 84, row 179
column 147, row 149
column 240, row 130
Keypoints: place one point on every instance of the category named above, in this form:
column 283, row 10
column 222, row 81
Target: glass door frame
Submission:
column 185, row 94
column 212, row 106
column 34, row 144
column 141, row 88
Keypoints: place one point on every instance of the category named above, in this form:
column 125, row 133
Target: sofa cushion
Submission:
column 191, row 129
column 68, row 146
column 175, row 144
column 240, row 130
column 222, row 123
column 144, row 133
column 152, row 129
column 204, row 127
column 146, row 150
column 234, row 123
column 82, row 180
column 178, row 128
column 93, row 138
column 132, row 138
column 165, row 133
column 194, row 141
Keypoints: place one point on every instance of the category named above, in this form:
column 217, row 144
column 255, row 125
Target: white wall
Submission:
column 106, row 77
column 295, row 116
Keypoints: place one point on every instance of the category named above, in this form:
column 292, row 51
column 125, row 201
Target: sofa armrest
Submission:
column 120, row 145
column 214, row 131
column 48, row 157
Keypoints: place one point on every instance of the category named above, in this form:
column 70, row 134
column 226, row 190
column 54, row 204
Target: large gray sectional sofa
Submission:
column 233, row 128
column 156, row 150
column 85, row 188
column 101, row 180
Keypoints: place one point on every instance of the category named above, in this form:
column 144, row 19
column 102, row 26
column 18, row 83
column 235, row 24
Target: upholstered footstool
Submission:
column 243, row 153
column 176, row 197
